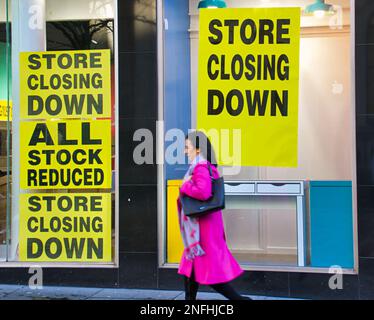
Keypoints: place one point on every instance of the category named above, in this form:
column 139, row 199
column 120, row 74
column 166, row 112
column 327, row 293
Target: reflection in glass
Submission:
column 5, row 102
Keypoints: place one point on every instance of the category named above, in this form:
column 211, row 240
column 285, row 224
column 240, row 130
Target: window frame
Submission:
column 115, row 261
column 161, row 187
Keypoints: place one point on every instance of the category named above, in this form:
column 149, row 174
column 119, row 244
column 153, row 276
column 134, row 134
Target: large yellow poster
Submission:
column 66, row 155
column 248, row 84
column 65, row 227
column 65, row 147
column 65, row 84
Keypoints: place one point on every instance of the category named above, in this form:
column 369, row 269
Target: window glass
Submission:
column 62, row 208
column 275, row 228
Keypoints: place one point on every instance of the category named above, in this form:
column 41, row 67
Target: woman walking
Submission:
column 206, row 258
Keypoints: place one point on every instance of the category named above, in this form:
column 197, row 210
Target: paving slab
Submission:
column 8, row 289
column 55, row 293
column 136, row 294
column 15, row 297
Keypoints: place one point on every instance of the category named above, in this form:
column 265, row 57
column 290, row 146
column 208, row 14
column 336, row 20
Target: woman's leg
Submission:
column 191, row 287
column 228, row 291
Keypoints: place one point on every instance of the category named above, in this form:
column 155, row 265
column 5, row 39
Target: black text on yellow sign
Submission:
column 71, row 154
column 65, row 84
column 248, row 80
column 4, row 105
column 65, row 227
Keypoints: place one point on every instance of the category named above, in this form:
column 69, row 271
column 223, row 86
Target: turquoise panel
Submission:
column 331, row 224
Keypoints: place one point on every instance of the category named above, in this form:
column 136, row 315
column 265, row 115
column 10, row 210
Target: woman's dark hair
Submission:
column 200, row 141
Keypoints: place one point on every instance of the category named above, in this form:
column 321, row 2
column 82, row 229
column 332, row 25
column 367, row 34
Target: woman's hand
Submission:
column 199, row 186
column 188, row 180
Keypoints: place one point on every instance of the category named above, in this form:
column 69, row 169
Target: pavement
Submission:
column 14, row 292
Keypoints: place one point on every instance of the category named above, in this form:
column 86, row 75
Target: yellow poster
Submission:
column 248, row 84
column 4, row 110
column 65, row 227
column 70, row 154
column 65, row 84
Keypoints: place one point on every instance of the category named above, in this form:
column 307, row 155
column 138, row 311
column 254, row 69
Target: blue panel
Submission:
column 331, row 184
column 331, row 223
column 177, row 71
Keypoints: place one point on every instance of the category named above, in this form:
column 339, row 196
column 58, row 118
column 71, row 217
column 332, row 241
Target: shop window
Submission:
column 276, row 217
column 65, row 211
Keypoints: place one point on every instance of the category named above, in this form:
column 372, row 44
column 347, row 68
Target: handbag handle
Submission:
column 210, row 171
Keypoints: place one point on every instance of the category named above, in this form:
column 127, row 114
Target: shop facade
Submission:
column 291, row 229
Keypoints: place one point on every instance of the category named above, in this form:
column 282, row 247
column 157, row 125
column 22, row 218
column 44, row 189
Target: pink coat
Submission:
column 217, row 265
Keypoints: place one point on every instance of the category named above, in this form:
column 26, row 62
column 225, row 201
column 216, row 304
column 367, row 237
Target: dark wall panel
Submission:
column 131, row 173
column 138, row 110
column 138, row 219
column 317, row 286
column 137, row 85
column 365, row 142
column 138, row 270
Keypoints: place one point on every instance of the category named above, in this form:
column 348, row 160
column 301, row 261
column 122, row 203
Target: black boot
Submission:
column 190, row 287
column 228, row 291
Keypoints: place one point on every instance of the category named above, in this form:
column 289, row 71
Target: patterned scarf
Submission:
column 190, row 228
